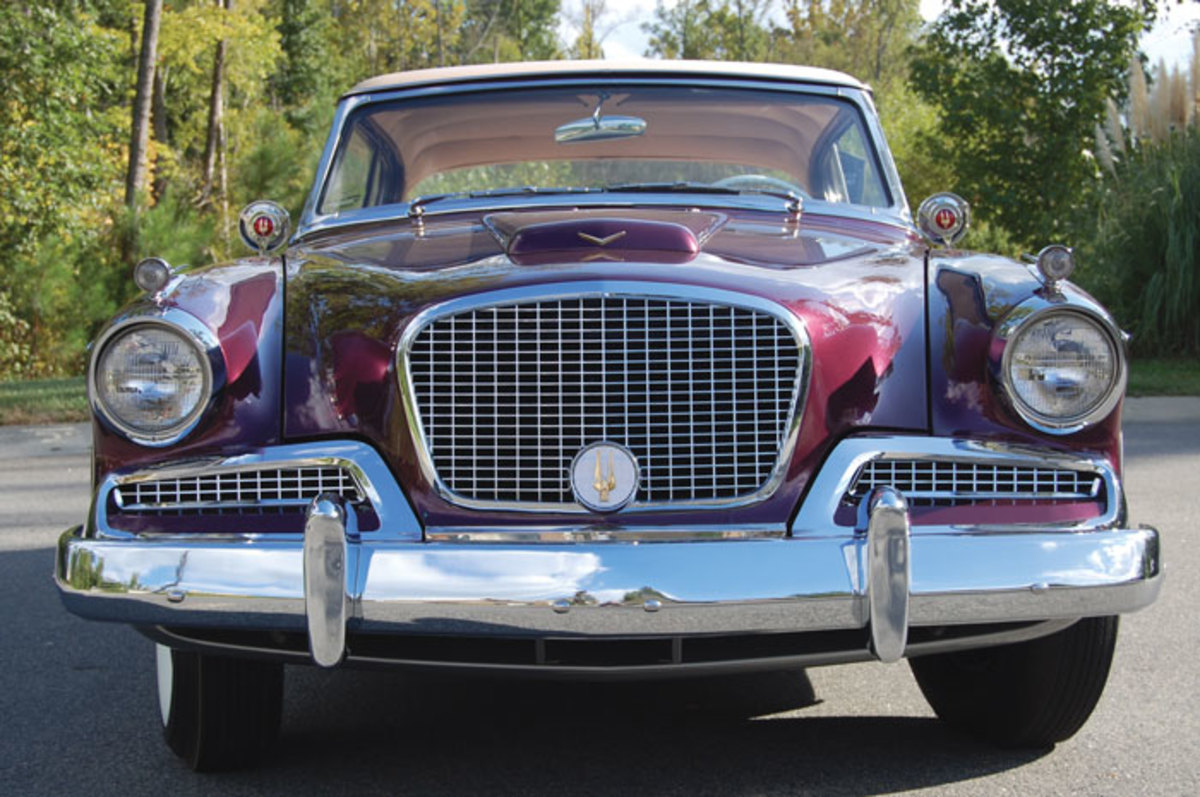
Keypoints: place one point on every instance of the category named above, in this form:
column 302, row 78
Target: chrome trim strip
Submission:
column 834, row 479
column 603, row 289
column 576, row 534
column 377, row 486
column 1029, row 312
column 192, row 330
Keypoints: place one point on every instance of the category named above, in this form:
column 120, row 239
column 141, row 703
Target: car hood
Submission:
column 857, row 286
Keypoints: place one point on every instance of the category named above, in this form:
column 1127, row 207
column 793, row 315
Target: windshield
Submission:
column 612, row 136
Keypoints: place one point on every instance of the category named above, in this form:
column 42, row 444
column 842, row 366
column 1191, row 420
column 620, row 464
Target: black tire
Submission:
column 1031, row 694
column 218, row 713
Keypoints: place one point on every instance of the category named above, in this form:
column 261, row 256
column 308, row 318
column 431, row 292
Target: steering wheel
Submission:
column 750, row 182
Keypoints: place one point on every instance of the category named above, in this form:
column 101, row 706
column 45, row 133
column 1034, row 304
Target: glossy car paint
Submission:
column 857, row 288
column 970, row 295
column 242, row 303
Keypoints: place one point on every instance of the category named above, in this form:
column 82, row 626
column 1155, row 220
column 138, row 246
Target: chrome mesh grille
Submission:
column 951, row 481
column 274, row 487
column 701, row 393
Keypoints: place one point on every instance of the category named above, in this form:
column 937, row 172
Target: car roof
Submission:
column 484, row 73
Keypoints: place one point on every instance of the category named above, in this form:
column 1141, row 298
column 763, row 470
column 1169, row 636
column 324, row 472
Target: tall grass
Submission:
column 1141, row 255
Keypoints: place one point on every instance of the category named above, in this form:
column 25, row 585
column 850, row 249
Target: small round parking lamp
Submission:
column 152, row 274
column 1055, row 263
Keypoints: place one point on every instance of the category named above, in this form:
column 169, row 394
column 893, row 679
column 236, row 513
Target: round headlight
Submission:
column 152, row 382
column 1063, row 370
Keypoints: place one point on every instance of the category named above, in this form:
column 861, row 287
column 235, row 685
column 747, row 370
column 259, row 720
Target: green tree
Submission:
column 728, row 30
column 1021, row 85
column 868, row 39
column 302, row 81
column 530, row 26
column 63, row 132
column 587, row 42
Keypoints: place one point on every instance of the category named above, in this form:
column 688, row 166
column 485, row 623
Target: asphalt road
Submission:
column 78, row 710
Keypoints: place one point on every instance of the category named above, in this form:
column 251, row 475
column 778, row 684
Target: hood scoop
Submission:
column 583, row 237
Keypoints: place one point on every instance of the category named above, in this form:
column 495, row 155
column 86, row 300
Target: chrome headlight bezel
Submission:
column 208, row 353
column 1036, row 311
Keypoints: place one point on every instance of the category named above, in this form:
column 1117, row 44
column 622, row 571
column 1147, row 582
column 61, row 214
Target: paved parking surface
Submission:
column 78, row 711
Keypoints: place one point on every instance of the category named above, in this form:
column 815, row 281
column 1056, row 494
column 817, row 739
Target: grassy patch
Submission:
column 43, row 401
column 1176, row 377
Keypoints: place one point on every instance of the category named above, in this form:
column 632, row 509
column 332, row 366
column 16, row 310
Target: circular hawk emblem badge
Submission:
column 604, row 476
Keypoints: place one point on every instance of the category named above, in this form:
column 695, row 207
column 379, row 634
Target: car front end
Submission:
column 692, row 395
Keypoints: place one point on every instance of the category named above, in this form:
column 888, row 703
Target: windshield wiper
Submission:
column 416, row 207
column 795, row 200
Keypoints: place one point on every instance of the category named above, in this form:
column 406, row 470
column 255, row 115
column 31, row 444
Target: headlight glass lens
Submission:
column 1062, row 367
column 151, row 380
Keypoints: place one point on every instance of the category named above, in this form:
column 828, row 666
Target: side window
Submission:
column 850, row 171
column 361, row 178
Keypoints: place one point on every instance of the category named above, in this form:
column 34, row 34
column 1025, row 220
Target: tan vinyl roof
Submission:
column 602, row 68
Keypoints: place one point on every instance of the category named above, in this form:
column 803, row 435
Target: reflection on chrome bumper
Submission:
column 814, row 583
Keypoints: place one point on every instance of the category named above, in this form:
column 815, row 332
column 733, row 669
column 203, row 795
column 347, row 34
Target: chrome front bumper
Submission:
column 882, row 579
column 885, row 579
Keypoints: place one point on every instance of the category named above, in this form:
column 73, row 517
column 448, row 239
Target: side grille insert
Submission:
column 947, row 482
column 273, row 487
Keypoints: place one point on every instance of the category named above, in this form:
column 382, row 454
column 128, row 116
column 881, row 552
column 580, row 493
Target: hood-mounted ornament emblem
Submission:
column 264, row 226
column 605, row 240
column 944, row 218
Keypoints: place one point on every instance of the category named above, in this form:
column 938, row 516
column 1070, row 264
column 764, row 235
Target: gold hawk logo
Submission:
column 605, row 241
column 605, row 484
column 604, row 476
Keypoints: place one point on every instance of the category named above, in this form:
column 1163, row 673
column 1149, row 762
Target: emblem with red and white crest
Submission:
column 944, row 218
column 264, row 226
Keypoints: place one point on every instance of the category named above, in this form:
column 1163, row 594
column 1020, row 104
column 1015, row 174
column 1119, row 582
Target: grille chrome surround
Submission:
column 279, row 487
column 950, row 481
column 629, row 362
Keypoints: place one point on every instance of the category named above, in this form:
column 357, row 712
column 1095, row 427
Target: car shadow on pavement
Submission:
column 370, row 732
column 431, row 734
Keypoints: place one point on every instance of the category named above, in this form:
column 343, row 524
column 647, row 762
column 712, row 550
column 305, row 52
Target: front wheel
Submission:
column 1031, row 694
column 217, row 712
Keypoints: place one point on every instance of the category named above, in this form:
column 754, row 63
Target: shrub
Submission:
column 1138, row 243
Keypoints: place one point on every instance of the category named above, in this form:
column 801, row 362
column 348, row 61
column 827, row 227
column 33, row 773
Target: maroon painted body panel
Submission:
column 969, row 296
column 858, row 287
column 242, row 303
column 869, row 302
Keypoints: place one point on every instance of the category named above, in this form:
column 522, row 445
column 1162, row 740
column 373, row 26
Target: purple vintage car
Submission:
column 603, row 369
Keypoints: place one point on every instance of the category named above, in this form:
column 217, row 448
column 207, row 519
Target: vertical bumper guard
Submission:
column 326, row 565
column 889, row 573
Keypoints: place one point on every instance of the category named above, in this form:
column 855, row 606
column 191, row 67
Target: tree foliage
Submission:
column 1141, row 225
column 1001, row 106
column 723, row 30
column 69, row 69
column 869, row 39
column 1020, row 85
